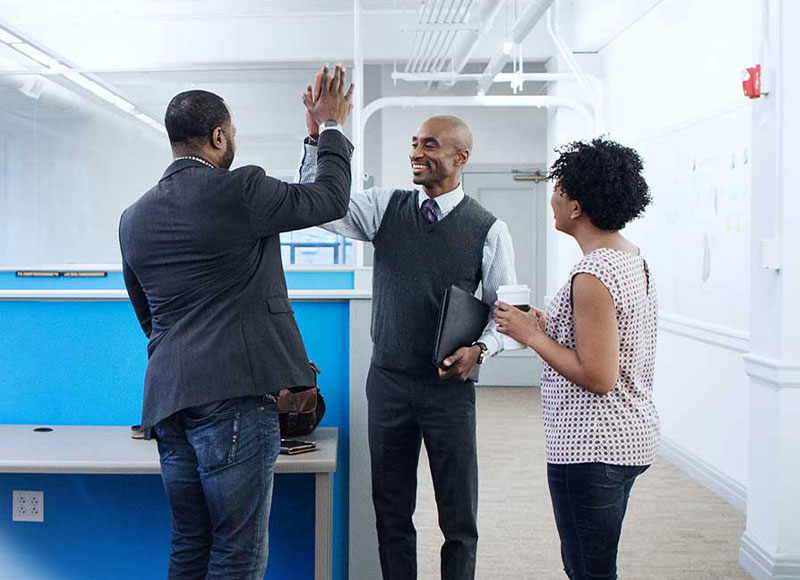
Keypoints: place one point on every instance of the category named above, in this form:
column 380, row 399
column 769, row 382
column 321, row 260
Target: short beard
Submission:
column 227, row 157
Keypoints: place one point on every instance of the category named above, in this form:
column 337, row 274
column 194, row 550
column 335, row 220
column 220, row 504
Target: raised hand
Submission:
column 328, row 99
column 308, row 101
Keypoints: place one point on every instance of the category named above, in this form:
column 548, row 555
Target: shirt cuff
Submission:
column 310, row 154
column 492, row 342
column 337, row 128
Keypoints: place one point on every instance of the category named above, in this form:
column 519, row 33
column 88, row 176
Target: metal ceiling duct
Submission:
column 440, row 24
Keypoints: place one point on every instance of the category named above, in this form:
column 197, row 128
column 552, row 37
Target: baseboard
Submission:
column 762, row 565
column 705, row 474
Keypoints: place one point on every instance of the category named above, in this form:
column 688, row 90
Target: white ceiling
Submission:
column 158, row 34
column 156, row 9
column 135, row 34
column 288, row 37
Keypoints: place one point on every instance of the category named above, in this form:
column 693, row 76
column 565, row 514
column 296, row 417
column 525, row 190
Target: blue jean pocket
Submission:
column 213, row 436
column 616, row 473
column 623, row 473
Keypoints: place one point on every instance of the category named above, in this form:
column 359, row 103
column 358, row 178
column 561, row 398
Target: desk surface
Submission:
column 111, row 450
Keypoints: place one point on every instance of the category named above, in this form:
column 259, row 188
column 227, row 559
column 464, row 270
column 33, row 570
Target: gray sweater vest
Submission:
column 414, row 262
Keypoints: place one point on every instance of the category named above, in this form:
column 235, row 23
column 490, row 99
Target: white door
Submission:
column 517, row 198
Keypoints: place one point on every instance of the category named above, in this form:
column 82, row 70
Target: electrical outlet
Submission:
column 28, row 506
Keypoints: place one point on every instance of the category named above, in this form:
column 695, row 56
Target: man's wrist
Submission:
column 312, row 140
column 482, row 351
column 330, row 124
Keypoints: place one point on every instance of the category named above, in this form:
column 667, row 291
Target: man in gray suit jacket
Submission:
column 202, row 265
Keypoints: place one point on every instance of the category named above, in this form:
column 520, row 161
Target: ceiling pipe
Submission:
column 500, row 101
column 456, row 15
column 435, row 35
column 597, row 96
column 438, row 65
column 443, row 18
column 451, row 78
column 429, row 37
column 494, row 67
column 533, row 13
column 489, row 11
column 420, row 36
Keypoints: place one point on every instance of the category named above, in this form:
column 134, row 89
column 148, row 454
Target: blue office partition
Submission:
column 82, row 363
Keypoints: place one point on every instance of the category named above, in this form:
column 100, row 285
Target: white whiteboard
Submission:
column 696, row 234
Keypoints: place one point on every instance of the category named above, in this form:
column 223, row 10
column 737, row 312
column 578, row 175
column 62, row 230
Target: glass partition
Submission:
column 77, row 147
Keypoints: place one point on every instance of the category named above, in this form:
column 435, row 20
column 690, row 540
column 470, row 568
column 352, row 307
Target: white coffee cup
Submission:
column 517, row 295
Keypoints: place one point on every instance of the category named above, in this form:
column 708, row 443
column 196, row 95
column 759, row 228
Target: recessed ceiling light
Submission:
column 148, row 121
column 34, row 53
column 7, row 37
column 99, row 90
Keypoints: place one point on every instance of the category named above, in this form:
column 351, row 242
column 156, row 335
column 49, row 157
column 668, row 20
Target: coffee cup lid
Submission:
column 514, row 288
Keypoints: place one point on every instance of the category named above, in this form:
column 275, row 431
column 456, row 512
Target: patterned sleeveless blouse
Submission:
column 622, row 426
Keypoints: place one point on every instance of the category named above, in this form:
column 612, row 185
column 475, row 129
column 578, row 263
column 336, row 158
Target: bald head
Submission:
column 451, row 129
column 439, row 151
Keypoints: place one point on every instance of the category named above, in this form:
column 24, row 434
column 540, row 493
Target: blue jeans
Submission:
column 217, row 463
column 589, row 503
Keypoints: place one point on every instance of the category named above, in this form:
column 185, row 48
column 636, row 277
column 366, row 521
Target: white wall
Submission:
column 673, row 92
column 770, row 547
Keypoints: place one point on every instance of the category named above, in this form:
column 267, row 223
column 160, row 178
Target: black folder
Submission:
column 462, row 319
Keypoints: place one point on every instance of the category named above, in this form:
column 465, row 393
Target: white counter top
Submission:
column 111, row 450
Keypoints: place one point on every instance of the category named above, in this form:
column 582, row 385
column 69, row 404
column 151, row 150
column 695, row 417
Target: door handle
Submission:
column 535, row 176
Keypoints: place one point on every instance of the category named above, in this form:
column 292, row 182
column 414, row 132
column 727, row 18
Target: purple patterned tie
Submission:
column 429, row 211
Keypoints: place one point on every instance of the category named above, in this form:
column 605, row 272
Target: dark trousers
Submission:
column 405, row 410
column 217, row 463
column 589, row 503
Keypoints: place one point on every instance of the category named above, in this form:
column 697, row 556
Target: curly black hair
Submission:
column 605, row 178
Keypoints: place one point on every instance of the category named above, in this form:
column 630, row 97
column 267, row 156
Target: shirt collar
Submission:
column 445, row 202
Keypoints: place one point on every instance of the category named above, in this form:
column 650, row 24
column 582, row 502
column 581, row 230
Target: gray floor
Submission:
column 675, row 529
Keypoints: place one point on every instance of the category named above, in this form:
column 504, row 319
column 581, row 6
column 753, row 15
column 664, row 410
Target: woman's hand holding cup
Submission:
column 524, row 327
column 518, row 296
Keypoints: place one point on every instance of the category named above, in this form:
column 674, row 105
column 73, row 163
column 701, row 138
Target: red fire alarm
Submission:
column 751, row 82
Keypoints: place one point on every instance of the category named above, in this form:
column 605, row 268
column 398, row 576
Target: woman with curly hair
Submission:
column 597, row 341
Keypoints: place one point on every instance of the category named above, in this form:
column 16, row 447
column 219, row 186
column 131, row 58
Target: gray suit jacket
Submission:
column 202, row 265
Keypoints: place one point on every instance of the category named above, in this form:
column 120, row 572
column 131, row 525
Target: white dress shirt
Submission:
column 366, row 212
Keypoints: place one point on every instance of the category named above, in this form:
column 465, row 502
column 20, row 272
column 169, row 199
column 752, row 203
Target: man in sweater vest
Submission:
column 425, row 240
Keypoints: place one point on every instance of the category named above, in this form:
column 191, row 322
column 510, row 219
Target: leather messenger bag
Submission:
column 300, row 409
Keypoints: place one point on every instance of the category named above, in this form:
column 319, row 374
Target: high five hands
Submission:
column 328, row 99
